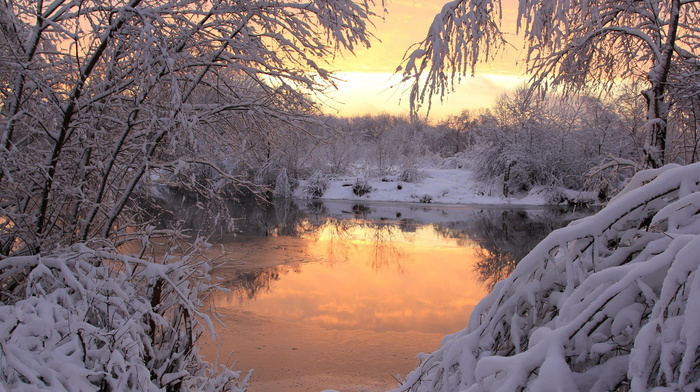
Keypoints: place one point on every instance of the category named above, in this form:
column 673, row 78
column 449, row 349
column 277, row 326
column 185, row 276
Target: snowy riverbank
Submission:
column 443, row 186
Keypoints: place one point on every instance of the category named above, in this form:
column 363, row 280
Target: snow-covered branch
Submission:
column 573, row 45
column 104, row 89
column 462, row 34
column 88, row 320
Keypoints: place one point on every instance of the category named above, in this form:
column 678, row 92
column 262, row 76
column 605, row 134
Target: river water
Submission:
column 340, row 295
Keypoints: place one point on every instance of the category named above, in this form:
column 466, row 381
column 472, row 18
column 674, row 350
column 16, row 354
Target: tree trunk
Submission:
column 657, row 104
column 657, row 123
column 506, row 179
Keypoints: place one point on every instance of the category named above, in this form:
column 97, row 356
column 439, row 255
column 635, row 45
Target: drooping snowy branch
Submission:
column 462, row 34
column 573, row 45
column 607, row 303
column 89, row 320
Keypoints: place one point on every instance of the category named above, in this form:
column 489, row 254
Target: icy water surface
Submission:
column 344, row 296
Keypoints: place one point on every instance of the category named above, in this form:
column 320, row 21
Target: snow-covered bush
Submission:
column 361, row 187
column 89, row 320
column 461, row 160
column 557, row 195
column 315, row 186
column 284, row 186
column 609, row 303
column 410, row 175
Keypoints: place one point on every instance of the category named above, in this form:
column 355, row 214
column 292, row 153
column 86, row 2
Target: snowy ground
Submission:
column 443, row 186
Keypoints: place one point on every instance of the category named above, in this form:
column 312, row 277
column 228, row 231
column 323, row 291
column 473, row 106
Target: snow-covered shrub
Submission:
column 609, row 303
column 315, row 186
column 361, row 187
column 462, row 160
column 89, row 320
column 284, row 186
column 610, row 176
column 410, row 175
column 557, row 195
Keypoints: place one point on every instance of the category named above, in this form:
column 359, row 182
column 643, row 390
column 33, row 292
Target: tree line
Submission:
column 585, row 143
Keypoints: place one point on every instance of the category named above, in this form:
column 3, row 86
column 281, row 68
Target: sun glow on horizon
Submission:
column 362, row 93
column 368, row 82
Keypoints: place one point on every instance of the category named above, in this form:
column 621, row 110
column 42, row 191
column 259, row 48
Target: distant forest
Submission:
column 581, row 143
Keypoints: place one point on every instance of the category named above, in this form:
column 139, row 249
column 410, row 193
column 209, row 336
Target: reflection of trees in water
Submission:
column 386, row 250
column 248, row 284
column 494, row 267
column 343, row 236
column 504, row 237
column 336, row 238
column 250, row 216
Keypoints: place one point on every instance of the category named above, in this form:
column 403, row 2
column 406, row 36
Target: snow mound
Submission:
column 88, row 320
column 609, row 303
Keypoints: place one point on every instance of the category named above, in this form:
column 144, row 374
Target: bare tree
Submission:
column 569, row 44
column 458, row 132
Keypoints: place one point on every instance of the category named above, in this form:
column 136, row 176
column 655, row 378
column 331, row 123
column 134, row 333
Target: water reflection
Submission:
column 248, row 284
column 504, row 237
column 217, row 218
column 352, row 290
column 339, row 237
column 359, row 284
column 498, row 236
column 345, row 269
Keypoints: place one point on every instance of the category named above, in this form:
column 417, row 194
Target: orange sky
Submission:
column 369, row 73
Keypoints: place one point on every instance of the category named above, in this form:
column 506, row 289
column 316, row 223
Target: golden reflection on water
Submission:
column 372, row 277
column 346, row 306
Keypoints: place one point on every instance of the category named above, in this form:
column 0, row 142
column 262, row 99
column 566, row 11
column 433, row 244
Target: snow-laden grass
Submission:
column 92, row 320
column 609, row 303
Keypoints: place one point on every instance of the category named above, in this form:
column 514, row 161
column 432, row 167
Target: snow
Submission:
column 88, row 320
column 437, row 186
column 608, row 303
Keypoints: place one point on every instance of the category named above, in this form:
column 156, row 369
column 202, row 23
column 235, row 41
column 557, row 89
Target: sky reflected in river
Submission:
column 336, row 295
column 373, row 278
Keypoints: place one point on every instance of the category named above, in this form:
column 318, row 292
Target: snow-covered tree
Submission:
column 686, row 123
column 608, row 303
column 573, row 45
column 99, row 98
column 283, row 188
column 534, row 142
column 103, row 92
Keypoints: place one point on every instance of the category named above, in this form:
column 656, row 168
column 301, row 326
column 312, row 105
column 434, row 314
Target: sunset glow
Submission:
column 375, row 278
column 342, row 296
column 369, row 83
